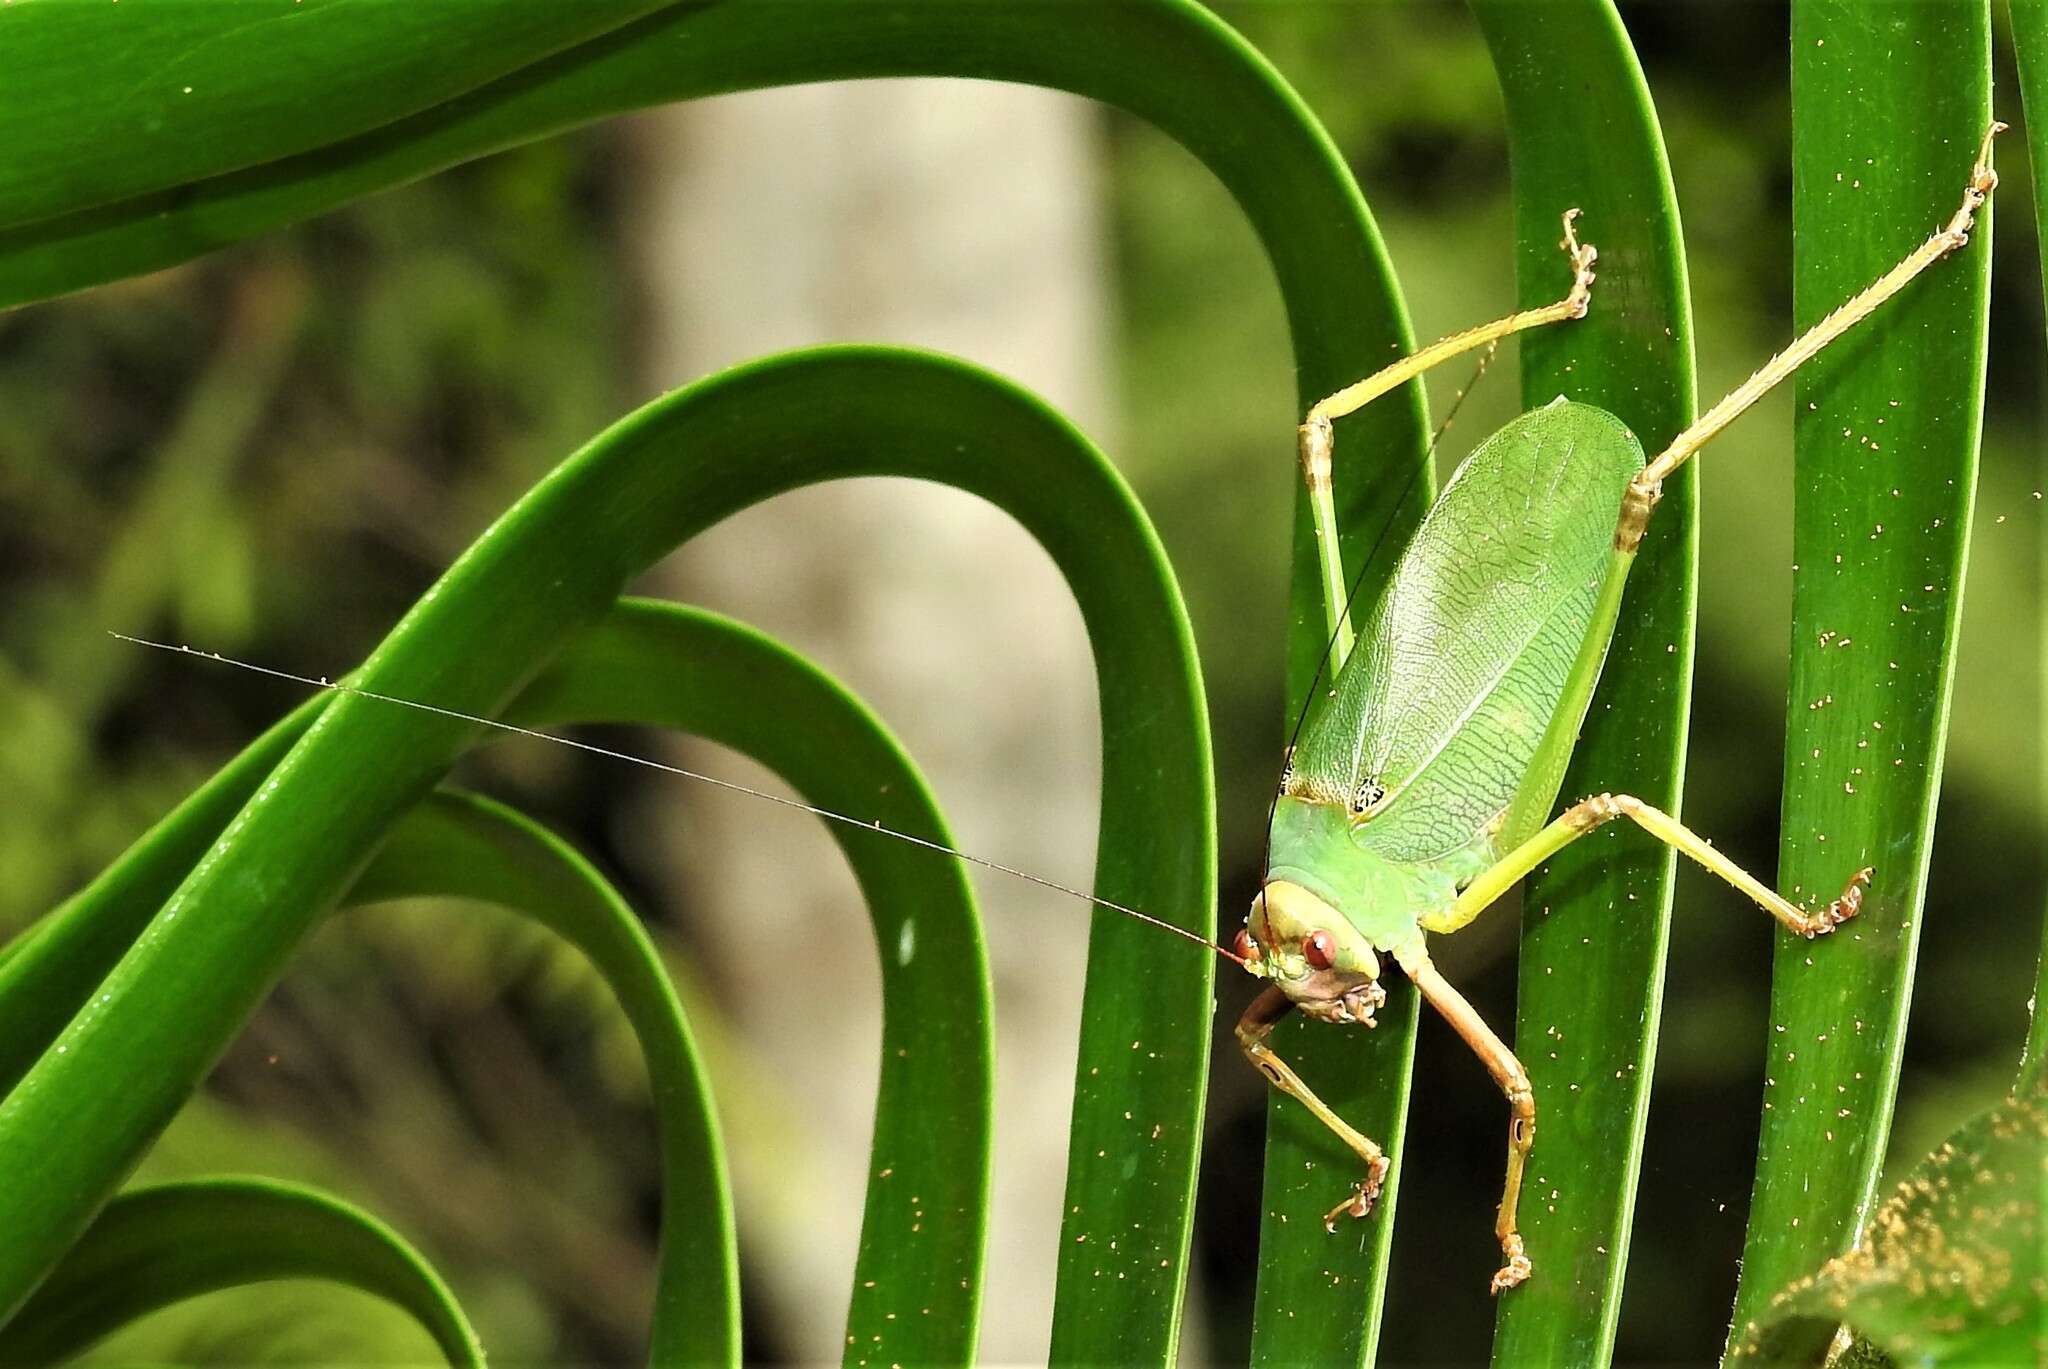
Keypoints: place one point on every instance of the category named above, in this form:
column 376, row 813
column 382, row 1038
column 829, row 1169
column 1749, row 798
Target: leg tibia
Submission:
column 1252, row 1030
column 1513, row 1080
column 1954, row 234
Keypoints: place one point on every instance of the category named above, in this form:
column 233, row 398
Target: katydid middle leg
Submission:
column 1317, row 437
column 1582, row 817
column 1513, row 1080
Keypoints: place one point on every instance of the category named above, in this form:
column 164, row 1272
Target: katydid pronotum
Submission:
column 1419, row 792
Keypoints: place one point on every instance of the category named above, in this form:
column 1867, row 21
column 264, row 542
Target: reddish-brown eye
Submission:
column 1247, row 949
column 1320, row 949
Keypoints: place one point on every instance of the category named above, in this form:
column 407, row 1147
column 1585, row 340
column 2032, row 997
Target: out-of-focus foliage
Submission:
column 1951, row 1269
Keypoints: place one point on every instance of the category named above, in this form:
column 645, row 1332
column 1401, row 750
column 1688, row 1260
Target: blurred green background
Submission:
column 271, row 453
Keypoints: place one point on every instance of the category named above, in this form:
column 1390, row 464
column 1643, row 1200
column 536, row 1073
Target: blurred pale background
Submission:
column 272, row 452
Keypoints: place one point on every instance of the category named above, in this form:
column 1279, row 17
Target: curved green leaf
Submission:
column 1596, row 917
column 457, row 845
column 551, row 566
column 918, row 1277
column 2030, row 54
column 155, row 1246
column 1951, row 1268
column 1888, row 106
column 665, row 665
column 54, row 966
column 104, row 104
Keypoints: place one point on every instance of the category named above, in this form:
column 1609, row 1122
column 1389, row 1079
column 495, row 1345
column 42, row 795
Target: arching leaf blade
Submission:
column 103, row 105
column 458, row 845
column 917, row 1280
column 550, row 567
column 664, row 665
column 162, row 1244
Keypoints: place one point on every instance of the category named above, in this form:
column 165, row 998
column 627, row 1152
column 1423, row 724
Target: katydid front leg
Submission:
column 1252, row 1030
column 1318, row 439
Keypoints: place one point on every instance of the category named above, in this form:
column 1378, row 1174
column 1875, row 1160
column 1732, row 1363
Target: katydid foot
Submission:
column 1362, row 1198
column 1517, row 1267
column 1843, row 908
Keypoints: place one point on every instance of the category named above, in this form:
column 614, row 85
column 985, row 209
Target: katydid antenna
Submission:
column 731, row 786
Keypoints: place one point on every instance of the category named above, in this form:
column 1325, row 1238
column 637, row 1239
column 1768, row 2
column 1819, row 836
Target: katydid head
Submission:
column 1319, row 960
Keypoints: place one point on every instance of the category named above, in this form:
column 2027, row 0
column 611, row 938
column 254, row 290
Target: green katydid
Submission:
column 1420, row 790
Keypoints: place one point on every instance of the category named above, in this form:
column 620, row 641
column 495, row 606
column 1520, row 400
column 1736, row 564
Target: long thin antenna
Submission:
column 731, row 786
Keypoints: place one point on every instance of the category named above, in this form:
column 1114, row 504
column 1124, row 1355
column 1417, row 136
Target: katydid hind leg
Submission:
column 1252, row 1030
column 1951, row 237
column 1513, row 1081
column 1317, row 437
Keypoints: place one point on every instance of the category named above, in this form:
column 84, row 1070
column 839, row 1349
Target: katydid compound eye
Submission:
column 1320, row 949
column 1247, row 949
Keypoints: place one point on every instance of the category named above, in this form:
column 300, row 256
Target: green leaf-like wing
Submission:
column 158, row 1245
column 1439, row 711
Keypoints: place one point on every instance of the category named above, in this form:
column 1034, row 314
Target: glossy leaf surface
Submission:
column 1888, row 106
column 158, row 1245
column 1595, row 918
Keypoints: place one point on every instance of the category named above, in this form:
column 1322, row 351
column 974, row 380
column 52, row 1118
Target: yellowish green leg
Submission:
column 1644, row 491
column 1252, row 1030
column 1317, row 438
column 1584, row 816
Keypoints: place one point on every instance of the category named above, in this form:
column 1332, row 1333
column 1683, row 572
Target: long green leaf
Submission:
column 1888, row 105
column 53, row 967
column 102, row 104
column 664, row 665
column 159, row 1245
column 2030, row 54
column 90, row 1105
column 456, row 845
column 1596, row 918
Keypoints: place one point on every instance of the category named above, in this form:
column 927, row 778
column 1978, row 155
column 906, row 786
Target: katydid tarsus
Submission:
column 1422, row 786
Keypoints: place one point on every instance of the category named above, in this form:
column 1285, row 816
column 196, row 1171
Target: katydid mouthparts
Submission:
column 1421, row 786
